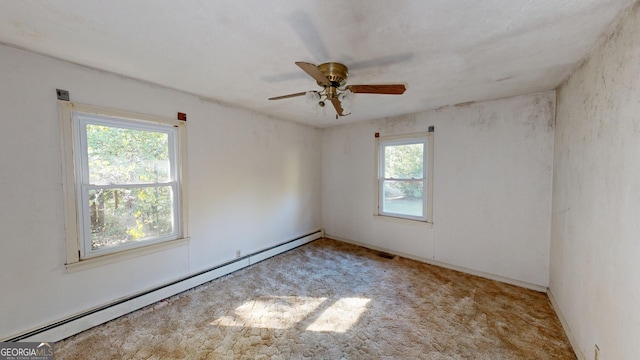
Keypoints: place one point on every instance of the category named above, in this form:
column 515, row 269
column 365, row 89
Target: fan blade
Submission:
column 337, row 105
column 288, row 96
column 395, row 89
column 314, row 72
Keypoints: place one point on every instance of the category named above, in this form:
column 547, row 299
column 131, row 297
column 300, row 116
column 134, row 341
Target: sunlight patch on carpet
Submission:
column 340, row 316
column 274, row 312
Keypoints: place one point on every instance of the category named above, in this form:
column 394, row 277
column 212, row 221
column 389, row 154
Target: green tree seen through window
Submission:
column 133, row 158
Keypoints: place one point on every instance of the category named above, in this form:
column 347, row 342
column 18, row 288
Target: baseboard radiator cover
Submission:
column 85, row 320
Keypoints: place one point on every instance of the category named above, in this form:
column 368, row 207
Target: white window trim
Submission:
column 398, row 140
column 71, row 208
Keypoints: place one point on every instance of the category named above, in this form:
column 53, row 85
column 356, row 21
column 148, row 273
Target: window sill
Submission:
column 123, row 255
column 428, row 225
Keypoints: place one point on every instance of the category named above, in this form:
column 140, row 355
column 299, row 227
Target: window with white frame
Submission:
column 126, row 172
column 404, row 173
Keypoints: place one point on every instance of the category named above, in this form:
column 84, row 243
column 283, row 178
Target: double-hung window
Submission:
column 404, row 173
column 126, row 171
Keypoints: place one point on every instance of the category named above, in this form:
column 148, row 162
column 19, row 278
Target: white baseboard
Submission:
column 485, row 275
column 565, row 326
column 87, row 319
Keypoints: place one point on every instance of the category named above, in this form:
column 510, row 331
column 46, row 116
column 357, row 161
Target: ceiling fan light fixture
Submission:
column 332, row 77
column 316, row 100
column 319, row 108
column 312, row 97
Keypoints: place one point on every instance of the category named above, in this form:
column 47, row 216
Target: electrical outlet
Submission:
column 237, row 254
column 596, row 353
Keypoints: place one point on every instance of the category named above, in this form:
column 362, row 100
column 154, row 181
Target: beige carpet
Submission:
column 330, row 300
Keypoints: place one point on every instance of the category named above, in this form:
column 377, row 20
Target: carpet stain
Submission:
column 332, row 300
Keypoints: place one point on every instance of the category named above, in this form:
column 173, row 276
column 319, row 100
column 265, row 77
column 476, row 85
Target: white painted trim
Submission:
column 103, row 313
column 430, row 167
column 465, row 270
column 123, row 114
column 125, row 254
column 68, row 181
column 565, row 327
column 400, row 220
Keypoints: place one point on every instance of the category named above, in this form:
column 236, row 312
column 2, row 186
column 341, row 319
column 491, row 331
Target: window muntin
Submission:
column 403, row 177
column 127, row 183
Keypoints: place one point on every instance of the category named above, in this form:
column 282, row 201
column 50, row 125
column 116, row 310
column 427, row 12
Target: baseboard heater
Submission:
column 77, row 323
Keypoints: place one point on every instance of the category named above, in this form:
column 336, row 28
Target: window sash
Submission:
column 84, row 119
column 407, row 213
column 81, row 120
column 383, row 179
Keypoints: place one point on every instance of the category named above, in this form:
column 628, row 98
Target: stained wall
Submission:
column 491, row 188
column 253, row 182
column 595, row 246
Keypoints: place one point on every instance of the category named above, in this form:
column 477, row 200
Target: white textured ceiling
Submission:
column 242, row 52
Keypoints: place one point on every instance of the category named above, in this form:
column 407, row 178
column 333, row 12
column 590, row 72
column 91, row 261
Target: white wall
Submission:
column 595, row 241
column 253, row 181
column 492, row 187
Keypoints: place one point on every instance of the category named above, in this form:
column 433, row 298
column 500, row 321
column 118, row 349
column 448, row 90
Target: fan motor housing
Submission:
column 336, row 73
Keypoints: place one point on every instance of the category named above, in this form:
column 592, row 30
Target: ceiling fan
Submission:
column 332, row 77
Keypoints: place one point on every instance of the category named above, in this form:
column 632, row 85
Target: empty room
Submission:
column 320, row 179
